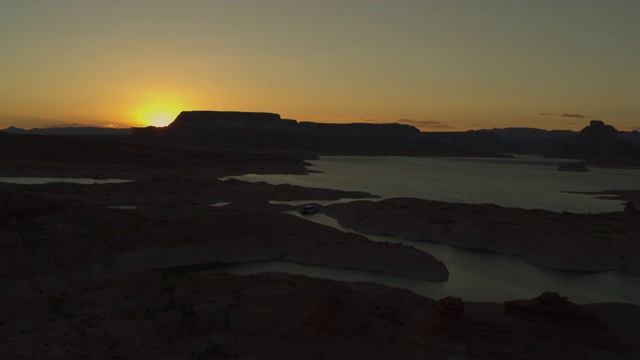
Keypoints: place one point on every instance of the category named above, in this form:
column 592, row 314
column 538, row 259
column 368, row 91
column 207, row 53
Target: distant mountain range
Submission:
column 597, row 140
column 269, row 131
column 67, row 131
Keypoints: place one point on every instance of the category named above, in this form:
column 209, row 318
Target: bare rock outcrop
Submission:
column 451, row 308
column 550, row 303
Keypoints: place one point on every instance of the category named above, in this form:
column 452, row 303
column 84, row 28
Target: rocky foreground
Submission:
column 80, row 280
column 586, row 242
column 84, row 281
column 211, row 315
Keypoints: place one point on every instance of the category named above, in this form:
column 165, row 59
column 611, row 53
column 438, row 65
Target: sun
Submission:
column 160, row 119
column 157, row 114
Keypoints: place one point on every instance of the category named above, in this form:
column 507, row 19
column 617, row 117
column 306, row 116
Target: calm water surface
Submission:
column 525, row 182
column 474, row 275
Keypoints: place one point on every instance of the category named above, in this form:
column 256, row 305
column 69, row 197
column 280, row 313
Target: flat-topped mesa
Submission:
column 226, row 123
column 268, row 130
column 195, row 121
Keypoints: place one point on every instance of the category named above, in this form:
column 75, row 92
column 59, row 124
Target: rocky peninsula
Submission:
column 584, row 242
column 47, row 237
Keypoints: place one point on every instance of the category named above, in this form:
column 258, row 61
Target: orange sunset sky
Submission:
column 434, row 64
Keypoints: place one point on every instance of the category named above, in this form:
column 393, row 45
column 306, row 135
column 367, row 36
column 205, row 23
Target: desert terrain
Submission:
column 84, row 277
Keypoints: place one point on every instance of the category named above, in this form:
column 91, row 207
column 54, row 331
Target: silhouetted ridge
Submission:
column 68, row 131
column 381, row 131
column 476, row 141
column 195, row 122
column 269, row 130
column 595, row 142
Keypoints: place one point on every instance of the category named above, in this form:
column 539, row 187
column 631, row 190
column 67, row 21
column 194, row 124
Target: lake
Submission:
column 526, row 182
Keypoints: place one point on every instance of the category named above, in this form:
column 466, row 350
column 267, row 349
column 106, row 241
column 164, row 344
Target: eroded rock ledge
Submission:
column 586, row 242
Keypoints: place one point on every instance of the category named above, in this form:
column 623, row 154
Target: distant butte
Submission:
column 194, row 121
column 599, row 143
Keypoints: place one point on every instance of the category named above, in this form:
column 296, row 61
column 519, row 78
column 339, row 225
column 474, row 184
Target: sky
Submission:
column 440, row 65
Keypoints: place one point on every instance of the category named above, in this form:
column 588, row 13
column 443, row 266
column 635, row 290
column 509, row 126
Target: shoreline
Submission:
column 539, row 237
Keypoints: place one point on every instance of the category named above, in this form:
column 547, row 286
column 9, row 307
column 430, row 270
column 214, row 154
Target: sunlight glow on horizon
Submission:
column 158, row 111
column 157, row 118
column 440, row 65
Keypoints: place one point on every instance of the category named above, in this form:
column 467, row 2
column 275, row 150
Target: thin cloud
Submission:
column 566, row 115
column 420, row 124
column 85, row 125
